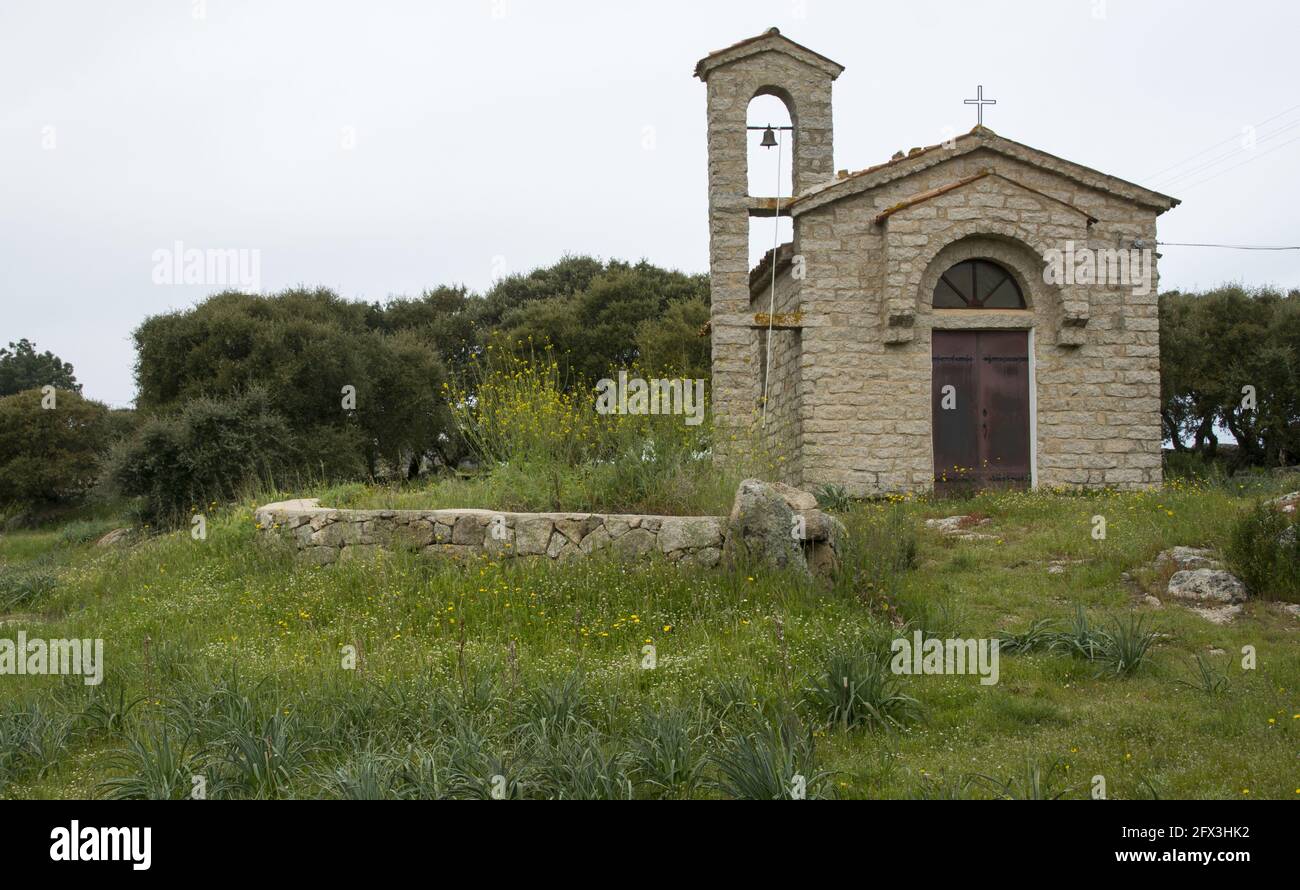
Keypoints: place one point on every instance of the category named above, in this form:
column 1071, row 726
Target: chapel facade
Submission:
column 933, row 324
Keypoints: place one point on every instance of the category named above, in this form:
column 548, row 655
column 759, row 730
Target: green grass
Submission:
column 224, row 660
column 689, row 487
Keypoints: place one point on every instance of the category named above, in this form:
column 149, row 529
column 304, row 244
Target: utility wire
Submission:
column 1186, row 188
column 1217, row 144
column 1206, row 165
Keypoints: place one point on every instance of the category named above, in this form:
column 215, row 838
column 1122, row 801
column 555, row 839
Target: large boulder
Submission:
column 772, row 524
column 1206, row 585
column 799, row 501
column 760, row 529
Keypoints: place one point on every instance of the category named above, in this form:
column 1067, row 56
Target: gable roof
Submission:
column 922, row 197
column 918, row 159
column 770, row 40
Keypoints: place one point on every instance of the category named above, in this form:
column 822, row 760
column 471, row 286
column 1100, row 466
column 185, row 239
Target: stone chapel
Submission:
column 962, row 315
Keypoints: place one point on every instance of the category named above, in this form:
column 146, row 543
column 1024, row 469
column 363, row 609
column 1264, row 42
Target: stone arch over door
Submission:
column 1011, row 249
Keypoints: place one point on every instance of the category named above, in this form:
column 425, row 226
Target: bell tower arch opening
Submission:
column 769, row 154
column 769, row 158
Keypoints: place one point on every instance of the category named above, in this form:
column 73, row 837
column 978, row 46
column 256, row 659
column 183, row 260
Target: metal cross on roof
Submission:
column 979, row 102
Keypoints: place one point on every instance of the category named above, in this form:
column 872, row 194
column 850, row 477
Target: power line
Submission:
column 1187, row 188
column 1217, row 144
column 1206, row 165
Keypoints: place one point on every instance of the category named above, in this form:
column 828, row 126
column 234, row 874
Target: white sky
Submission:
column 497, row 135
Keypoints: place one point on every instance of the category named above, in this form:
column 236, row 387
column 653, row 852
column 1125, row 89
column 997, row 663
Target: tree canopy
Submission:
column 21, row 367
column 50, row 445
column 1230, row 360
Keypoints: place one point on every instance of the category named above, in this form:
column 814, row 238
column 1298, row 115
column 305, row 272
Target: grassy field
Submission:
column 226, row 661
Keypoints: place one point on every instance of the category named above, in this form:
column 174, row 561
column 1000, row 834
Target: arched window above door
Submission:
column 977, row 284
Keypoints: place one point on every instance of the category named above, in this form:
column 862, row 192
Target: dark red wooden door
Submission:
column 979, row 395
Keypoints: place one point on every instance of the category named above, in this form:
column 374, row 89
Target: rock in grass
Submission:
column 1218, row 614
column 1292, row 609
column 959, row 527
column 115, row 538
column 1207, row 585
column 1286, row 503
column 1181, row 558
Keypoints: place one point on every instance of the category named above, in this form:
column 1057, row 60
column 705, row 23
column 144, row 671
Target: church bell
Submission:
column 769, row 138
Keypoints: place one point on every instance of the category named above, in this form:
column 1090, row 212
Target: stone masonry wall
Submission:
column 324, row 536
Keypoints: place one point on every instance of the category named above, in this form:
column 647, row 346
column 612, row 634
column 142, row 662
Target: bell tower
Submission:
column 768, row 64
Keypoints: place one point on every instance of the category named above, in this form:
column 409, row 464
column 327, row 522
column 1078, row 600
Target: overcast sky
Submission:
column 380, row 148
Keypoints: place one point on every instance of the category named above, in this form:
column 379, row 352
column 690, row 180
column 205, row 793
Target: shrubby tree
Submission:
column 303, row 348
column 441, row 318
column 211, row 448
column 675, row 343
column 1214, row 346
column 570, row 276
column 21, row 367
column 49, row 454
column 605, row 324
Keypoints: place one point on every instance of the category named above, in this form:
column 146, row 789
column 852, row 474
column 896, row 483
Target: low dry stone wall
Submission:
column 770, row 524
column 323, row 535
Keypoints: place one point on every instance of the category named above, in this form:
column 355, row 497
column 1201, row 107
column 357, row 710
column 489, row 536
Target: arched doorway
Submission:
column 980, row 384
